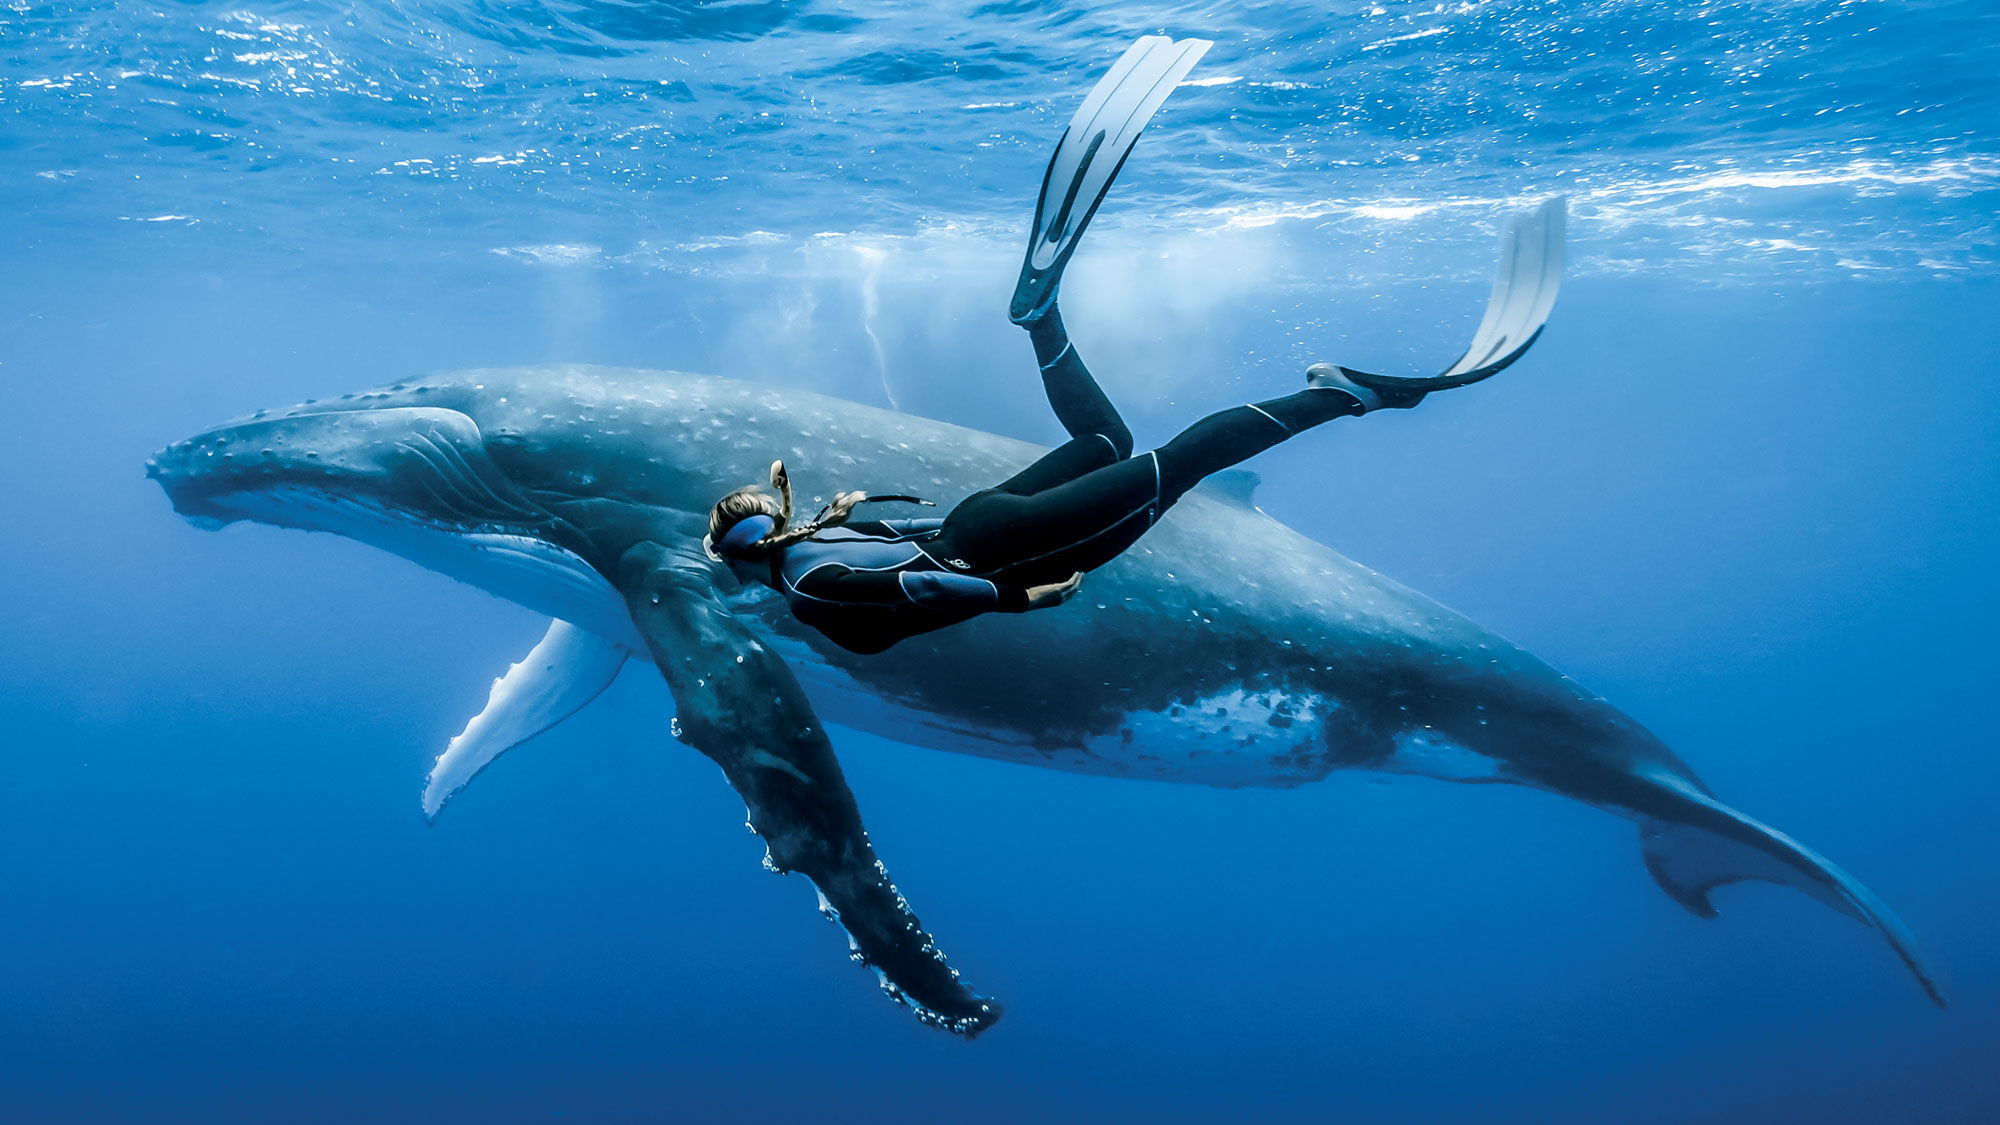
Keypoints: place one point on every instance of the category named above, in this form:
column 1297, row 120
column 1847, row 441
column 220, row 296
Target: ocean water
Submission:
column 1745, row 487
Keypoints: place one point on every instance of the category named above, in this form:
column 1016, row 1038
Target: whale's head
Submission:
column 337, row 469
column 508, row 478
column 534, row 513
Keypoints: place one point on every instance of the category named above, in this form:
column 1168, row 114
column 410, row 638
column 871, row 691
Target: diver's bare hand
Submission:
column 1055, row 593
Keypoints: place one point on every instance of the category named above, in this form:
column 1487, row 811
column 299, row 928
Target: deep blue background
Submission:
column 1770, row 539
column 1745, row 487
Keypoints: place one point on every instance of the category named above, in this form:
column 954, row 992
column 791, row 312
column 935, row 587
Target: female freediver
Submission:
column 1026, row 543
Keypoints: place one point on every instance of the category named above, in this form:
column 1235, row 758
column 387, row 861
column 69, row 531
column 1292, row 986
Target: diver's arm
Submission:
column 1054, row 593
column 950, row 593
column 958, row 592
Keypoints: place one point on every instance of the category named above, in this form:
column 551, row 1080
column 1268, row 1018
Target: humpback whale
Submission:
column 1222, row 649
column 582, row 494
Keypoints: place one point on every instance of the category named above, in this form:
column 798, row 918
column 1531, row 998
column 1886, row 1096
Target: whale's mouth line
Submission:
column 305, row 507
column 437, row 505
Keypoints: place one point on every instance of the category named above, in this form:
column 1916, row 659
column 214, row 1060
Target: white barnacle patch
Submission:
column 1237, row 737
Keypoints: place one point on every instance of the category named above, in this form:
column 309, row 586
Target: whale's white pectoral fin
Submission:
column 568, row 669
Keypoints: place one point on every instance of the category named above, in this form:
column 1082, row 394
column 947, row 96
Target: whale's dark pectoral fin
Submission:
column 1716, row 845
column 741, row 706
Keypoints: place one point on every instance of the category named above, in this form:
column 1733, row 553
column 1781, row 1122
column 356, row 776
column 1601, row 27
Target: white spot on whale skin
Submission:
column 771, row 761
column 1428, row 753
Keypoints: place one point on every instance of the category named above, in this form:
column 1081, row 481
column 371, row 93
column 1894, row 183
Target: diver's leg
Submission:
column 1026, row 540
column 1087, row 158
column 1098, row 436
column 1229, row 436
column 1080, row 404
column 1064, row 463
column 1240, row 433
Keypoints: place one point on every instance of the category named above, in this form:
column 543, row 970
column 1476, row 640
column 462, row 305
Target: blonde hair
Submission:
column 752, row 500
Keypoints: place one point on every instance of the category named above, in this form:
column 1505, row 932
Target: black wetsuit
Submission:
column 868, row 585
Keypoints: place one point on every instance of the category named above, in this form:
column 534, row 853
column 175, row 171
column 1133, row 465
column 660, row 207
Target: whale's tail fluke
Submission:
column 1709, row 844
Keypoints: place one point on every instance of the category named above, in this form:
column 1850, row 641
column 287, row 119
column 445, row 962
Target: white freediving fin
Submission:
column 1688, row 861
column 568, row 669
column 1524, row 293
column 1088, row 157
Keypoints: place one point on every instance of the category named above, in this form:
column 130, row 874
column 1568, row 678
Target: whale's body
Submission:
column 1225, row 649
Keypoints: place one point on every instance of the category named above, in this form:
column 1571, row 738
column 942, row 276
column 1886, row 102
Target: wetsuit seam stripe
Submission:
column 791, row 585
column 935, row 561
column 864, row 569
column 862, row 537
column 1153, row 516
column 1067, row 348
column 792, row 590
column 1272, row 417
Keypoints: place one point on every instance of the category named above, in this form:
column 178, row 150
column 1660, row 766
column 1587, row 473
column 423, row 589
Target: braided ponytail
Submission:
column 752, row 500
